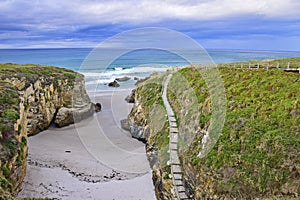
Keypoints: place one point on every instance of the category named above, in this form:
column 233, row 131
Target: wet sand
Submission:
column 93, row 159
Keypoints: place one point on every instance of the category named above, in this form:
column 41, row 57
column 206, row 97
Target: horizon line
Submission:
column 208, row 49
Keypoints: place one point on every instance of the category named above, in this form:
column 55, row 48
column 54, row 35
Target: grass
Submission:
column 33, row 72
column 260, row 143
column 149, row 94
column 258, row 152
column 9, row 106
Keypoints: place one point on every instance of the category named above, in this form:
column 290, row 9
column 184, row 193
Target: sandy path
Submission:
column 94, row 159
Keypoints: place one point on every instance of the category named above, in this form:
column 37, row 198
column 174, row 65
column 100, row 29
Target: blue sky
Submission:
column 217, row 24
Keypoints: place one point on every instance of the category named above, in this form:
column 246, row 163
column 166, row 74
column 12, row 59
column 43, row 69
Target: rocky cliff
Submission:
column 148, row 122
column 32, row 97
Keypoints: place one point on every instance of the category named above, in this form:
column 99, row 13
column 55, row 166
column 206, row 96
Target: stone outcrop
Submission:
column 45, row 102
column 138, row 124
column 114, row 84
column 45, row 95
column 98, row 107
column 131, row 98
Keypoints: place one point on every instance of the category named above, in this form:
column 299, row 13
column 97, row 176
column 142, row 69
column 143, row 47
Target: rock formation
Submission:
column 98, row 107
column 114, row 84
column 42, row 95
column 142, row 128
column 130, row 98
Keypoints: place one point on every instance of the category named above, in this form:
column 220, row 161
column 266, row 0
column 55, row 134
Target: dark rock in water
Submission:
column 131, row 98
column 125, row 124
column 125, row 78
column 114, row 84
column 135, row 78
column 97, row 107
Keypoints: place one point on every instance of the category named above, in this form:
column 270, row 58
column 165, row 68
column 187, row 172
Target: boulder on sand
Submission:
column 114, row 84
column 131, row 98
column 97, row 107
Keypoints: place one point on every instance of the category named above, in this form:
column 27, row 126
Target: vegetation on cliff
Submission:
column 9, row 107
column 46, row 84
column 257, row 154
column 32, row 73
column 150, row 112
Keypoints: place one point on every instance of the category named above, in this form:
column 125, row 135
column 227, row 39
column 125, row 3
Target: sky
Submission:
column 214, row 24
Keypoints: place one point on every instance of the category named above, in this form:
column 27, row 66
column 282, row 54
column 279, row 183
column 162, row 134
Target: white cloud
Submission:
column 55, row 20
column 158, row 10
column 82, row 12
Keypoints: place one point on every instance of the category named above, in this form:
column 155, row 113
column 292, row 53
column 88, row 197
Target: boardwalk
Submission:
column 289, row 67
column 176, row 171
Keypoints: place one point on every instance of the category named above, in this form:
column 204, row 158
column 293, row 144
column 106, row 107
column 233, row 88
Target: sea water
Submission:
column 100, row 69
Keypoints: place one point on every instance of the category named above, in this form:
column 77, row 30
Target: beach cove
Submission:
column 93, row 159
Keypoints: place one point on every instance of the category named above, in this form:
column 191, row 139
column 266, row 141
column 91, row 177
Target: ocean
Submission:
column 101, row 68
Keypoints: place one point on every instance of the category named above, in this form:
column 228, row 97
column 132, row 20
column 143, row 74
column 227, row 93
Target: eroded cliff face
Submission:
column 53, row 96
column 147, row 122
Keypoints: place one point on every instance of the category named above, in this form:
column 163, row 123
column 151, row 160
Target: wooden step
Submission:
column 176, row 169
column 174, row 158
column 174, row 130
column 172, row 119
column 182, row 195
column 178, row 183
column 173, row 124
column 173, row 146
column 177, row 176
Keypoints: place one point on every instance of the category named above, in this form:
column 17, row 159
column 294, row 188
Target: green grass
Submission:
column 33, row 72
column 260, row 142
column 149, row 94
column 258, row 152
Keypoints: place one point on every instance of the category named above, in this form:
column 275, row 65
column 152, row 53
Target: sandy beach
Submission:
column 93, row 159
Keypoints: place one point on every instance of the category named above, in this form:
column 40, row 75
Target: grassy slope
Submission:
column 149, row 94
column 32, row 72
column 9, row 107
column 258, row 153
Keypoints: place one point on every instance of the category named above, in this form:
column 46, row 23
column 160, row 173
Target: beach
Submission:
column 92, row 159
